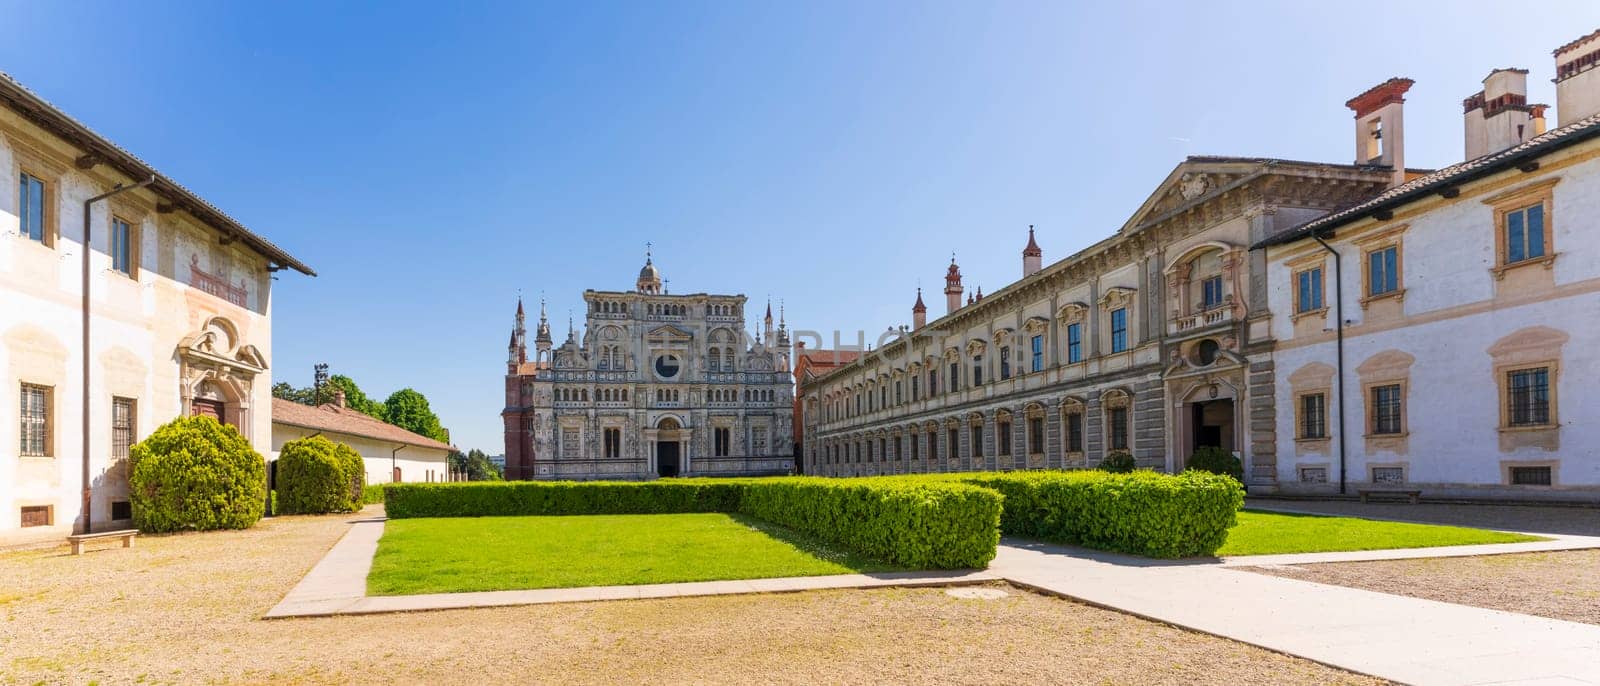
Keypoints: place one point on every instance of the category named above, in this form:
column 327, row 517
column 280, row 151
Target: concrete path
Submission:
column 1393, row 637
column 337, row 585
column 1556, row 542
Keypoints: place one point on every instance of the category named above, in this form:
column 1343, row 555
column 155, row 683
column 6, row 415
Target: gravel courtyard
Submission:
column 184, row 609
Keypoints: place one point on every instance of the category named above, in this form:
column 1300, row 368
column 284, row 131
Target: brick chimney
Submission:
column 1380, row 128
column 1031, row 255
column 952, row 286
column 338, row 398
column 919, row 312
column 1577, row 80
column 1499, row 116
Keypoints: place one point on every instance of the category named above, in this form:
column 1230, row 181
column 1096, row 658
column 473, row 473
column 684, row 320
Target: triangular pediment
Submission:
column 1190, row 183
column 670, row 333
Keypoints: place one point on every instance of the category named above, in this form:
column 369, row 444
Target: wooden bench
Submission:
column 1412, row 494
column 77, row 540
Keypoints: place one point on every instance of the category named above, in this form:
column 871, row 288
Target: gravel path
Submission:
column 185, row 608
column 1580, row 521
column 1559, row 585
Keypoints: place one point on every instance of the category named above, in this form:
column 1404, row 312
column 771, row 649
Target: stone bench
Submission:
column 77, row 540
column 1412, row 494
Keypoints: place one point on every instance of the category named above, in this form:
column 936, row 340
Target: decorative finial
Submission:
column 647, row 247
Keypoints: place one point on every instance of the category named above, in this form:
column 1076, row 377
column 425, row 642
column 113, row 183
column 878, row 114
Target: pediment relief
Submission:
column 975, row 347
column 1073, row 312
column 1186, row 185
column 1036, row 325
column 1117, row 297
column 219, row 343
column 670, row 333
column 1002, row 335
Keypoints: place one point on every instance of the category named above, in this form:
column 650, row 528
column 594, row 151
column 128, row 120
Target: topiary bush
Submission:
column 197, row 474
column 1217, row 461
column 317, row 475
column 1118, row 462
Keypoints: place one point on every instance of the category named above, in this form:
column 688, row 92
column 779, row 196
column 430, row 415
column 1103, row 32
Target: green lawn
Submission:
column 503, row 553
column 1267, row 533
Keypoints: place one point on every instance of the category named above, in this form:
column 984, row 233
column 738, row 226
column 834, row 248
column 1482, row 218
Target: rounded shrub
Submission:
column 1118, row 462
column 1217, row 461
column 317, row 475
column 196, row 474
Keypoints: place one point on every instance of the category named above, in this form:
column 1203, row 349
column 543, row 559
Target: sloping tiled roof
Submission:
column 51, row 118
column 335, row 419
column 1453, row 175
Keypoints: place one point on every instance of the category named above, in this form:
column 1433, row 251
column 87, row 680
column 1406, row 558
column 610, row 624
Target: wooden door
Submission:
column 201, row 407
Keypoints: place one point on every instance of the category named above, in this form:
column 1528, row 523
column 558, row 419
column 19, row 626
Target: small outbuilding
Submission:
column 392, row 454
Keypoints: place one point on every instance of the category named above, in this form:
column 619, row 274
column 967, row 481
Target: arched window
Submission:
column 714, row 360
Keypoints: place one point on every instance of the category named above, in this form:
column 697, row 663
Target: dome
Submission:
column 648, row 272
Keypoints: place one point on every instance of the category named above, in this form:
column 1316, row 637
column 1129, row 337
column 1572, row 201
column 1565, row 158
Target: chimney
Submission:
column 1031, row 255
column 919, row 312
column 952, row 286
column 338, row 398
column 1380, row 128
column 1499, row 116
column 1577, row 81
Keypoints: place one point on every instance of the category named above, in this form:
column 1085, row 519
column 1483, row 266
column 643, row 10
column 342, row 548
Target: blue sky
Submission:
column 431, row 160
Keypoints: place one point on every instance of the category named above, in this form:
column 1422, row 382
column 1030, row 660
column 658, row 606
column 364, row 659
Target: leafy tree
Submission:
column 354, row 397
column 475, row 463
column 194, row 473
column 282, row 389
column 409, row 410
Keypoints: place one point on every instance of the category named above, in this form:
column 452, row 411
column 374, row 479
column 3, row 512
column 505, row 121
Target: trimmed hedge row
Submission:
column 918, row 524
column 1144, row 513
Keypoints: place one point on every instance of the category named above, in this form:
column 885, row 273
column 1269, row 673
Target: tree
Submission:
column 409, row 410
column 282, row 389
column 354, row 398
column 475, row 464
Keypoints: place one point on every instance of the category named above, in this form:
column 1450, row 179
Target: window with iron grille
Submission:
column 1314, row 415
column 122, row 428
column 1117, row 428
column 1074, row 432
column 1211, row 290
column 36, row 515
column 1525, row 233
column 35, row 420
column 1531, row 476
column 1119, row 329
column 1387, row 409
column 1388, row 475
column 977, row 440
column 1529, row 401
column 1314, row 475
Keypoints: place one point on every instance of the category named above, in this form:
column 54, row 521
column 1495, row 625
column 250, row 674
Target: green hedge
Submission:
column 372, row 494
column 918, row 524
column 1144, row 513
column 317, row 475
column 194, row 473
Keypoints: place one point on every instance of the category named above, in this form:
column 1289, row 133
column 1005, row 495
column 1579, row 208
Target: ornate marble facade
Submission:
column 658, row 385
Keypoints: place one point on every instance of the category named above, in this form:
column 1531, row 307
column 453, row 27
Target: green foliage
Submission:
column 317, row 475
column 304, row 396
column 409, row 410
column 354, row 397
column 908, row 522
column 194, row 473
column 1144, row 513
column 372, row 494
column 1118, row 462
column 476, row 465
column 1217, row 461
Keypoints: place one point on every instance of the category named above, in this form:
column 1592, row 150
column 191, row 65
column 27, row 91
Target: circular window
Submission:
column 1205, row 352
column 667, row 366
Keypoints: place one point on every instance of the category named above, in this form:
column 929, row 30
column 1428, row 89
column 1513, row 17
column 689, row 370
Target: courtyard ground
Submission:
column 185, row 608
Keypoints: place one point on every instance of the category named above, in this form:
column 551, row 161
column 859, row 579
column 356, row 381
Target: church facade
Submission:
column 658, row 385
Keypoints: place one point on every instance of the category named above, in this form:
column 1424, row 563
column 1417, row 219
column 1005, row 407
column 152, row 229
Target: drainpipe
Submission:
column 87, row 488
column 394, row 461
column 1338, row 311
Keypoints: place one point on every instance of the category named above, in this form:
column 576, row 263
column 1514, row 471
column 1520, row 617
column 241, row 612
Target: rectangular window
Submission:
column 1525, row 233
column 1314, row 416
column 954, row 446
column 977, row 440
column 31, row 202
column 899, row 392
column 35, row 515
column 883, row 449
column 933, row 445
column 613, row 441
column 1529, row 401
column 1386, row 409
column 916, row 447
column 1388, row 475
column 1119, row 329
column 35, row 420
column 122, row 428
column 1002, row 436
column 914, row 394
column 1383, row 270
column 1308, row 292
column 1036, row 435
column 898, row 448
column 571, row 443
column 1117, row 428
column 1005, row 362
column 955, row 376
column 977, row 370
column 121, row 246
column 1074, row 343
column 1211, row 293
column 1074, row 432
column 933, row 382
column 1037, row 343
column 1530, row 476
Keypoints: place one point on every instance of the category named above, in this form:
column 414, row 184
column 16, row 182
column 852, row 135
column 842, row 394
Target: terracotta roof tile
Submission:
column 335, row 419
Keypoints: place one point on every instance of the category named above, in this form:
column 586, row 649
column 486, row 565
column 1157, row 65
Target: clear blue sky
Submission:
column 431, row 159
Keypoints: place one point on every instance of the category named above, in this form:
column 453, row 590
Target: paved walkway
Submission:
column 1393, row 637
column 338, row 585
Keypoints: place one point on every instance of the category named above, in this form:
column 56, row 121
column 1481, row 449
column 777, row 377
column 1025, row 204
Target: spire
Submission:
column 980, row 294
column 919, row 307
column 1032, row 256
column 541, row 337
column 919, row 312
column 781, row 323
column 1033, row 246
column 952, row 286
column 649, row 277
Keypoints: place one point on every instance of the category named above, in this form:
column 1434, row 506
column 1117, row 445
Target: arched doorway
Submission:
column 668, row 446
